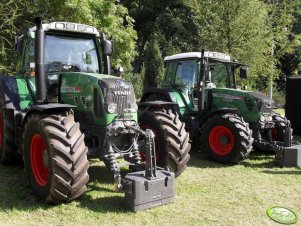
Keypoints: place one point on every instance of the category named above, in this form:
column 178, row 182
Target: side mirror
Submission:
column 107, row 48
column 119, row 71
column 244, row 71
column 19, row 45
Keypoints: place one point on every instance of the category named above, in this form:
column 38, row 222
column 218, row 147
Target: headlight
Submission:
column 269, row 118
column 112, row 108
column 262, row 118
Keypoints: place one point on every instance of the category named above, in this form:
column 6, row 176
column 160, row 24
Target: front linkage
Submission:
column 130, row 154
column 272, row 135
column 276, row 135
column 151, row 186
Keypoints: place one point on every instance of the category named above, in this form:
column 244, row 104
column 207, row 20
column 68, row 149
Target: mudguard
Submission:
column 164, row 92
column 217, row 111
column 143, row 106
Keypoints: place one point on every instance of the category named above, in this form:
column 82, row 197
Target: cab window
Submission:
column 186, row 73
column 29, row 58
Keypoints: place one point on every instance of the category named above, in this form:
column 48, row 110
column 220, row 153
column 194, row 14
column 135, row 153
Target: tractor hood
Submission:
column 249, row 105
column 265, row 104
column 105, row 95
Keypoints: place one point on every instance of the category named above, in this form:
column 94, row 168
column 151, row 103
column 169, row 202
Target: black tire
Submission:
column 57, row 172
column 171, row 138
column 278, row 134
column 8, row 147
column 226, row 138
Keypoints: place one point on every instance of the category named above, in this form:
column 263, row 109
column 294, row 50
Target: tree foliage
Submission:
column 255, row 32
column 108, row 16
column 8, row 30
column 264, row 34
column 153, row 71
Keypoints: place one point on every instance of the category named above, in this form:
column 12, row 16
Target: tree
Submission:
column 169, row 20
column 153, row 74
column 112, row 18
column 9, row 13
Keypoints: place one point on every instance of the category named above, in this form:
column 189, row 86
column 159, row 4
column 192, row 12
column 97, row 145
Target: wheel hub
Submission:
column 224, row 140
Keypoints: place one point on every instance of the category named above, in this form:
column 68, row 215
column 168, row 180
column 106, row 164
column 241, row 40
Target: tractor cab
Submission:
column 195, row 75
column 68, row 47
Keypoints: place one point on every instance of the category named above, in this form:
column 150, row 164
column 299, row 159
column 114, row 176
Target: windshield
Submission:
column 70, row 54
column 186, row 73
column 220, row 74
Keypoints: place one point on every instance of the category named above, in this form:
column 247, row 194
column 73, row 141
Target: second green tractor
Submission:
column 224, row 120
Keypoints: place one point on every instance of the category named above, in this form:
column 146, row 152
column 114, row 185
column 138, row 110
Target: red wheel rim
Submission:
column 221, row 140
column 142, row 154
column 37, row 159
column 1, row 130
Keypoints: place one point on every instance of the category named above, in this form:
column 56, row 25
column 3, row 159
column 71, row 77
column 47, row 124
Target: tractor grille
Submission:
column 119, row 92
column 264, row 102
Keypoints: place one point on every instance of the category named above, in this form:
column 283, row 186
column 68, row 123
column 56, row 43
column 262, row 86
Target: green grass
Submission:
column 207, row 194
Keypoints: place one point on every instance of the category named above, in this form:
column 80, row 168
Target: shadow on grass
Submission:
column 291, row 172
column 259, row 160
column 201, row 160
column 113, row 203
column 256, row 161
column 16, row 194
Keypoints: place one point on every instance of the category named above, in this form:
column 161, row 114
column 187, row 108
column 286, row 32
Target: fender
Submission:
column 54, row 107
column 217, row 111
column 144, row 106
column 164, row 92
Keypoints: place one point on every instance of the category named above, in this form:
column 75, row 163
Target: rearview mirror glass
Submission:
column 19, row 46
column 243, row 73
column 107, row 47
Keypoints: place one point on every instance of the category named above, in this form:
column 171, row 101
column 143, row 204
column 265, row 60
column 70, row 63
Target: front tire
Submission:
column 55, row 157
column 226, row 139
column 171, row 139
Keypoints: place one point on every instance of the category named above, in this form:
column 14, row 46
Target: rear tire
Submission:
column 226, row 138
column 8, row 147
column 171, row 138
column 55, row 157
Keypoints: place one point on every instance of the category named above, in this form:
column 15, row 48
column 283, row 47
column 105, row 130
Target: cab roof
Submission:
column 208, row 54
column 68, row 27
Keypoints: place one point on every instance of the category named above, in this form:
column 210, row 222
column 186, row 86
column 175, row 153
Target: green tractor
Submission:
column 63, row 106
column 223, row 120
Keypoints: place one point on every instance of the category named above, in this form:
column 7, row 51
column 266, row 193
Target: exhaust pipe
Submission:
column 39, row 61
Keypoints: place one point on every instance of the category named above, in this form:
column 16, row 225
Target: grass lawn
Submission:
column 207, row 194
